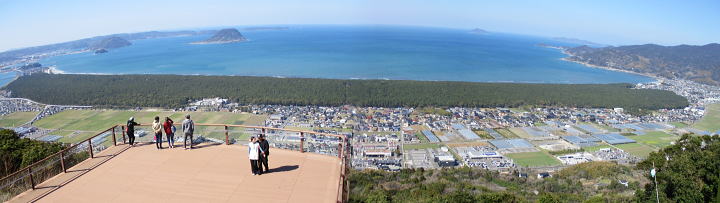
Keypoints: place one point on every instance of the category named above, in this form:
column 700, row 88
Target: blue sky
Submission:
column 26, row 23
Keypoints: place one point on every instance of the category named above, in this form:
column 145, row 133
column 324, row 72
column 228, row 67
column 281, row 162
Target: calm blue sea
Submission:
column 5, row 78
column 351, row 52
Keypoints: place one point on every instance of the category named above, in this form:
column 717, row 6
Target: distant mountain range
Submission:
column 697, row 63
column 578, row 41
column 223, row 36
column 93, row 43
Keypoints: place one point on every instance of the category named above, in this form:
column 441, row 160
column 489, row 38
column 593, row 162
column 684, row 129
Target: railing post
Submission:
column 302, row 141
column 32, row 181
column 114, row 139
column 90, row 148
column 123, row 134
column 227, row 136
column 262, row 132
column 62, row 161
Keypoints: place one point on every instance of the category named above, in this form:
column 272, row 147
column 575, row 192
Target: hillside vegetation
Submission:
column 177, row 90
column 698, row 63
column 688, row 171
column 16, row 152
column 596, row 181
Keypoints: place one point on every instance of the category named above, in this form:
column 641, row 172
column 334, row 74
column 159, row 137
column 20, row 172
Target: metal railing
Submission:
column 57, row 163
column 50, row 166
column 302, row 141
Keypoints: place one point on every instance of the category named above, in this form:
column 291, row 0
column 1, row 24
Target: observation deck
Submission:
column 211, row 172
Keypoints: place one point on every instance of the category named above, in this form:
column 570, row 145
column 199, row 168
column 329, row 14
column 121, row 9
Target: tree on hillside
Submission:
column 16, row 152
column 688, row 171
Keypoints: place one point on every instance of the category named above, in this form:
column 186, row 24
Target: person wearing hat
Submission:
column 130, row 130
column 254, row 154
column 265, row 147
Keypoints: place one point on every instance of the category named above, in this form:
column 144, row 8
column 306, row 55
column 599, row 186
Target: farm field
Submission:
column 637, row 149
column 483, row 134
column 506, row 133
column 422, row 138
column 421, row 146
column 519, row 132
column 596, row 148
column 711, row 120
column 531, row 159
column 17, row 118
column 656, row 139
column 76, row 125
column 606, row 127
column 678, row 124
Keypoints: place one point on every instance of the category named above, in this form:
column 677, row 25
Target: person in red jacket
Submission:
column 169, row 129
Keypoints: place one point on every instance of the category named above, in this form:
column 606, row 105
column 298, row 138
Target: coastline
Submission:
column 564, row 51
column 55, row 70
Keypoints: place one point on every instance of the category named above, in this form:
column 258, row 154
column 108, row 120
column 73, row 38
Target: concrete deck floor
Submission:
column 211, row 173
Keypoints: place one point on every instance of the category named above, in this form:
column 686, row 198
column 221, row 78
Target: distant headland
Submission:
column 230, row 35
column 110, row 43
column 479, row 31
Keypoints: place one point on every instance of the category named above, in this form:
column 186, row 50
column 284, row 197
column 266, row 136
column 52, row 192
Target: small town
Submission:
column 521, row 139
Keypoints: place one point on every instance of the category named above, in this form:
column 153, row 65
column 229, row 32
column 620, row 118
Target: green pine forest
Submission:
column 172, row 91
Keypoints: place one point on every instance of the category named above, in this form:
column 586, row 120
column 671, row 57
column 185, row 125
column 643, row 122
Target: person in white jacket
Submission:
column 157, row 129
column 254, row 153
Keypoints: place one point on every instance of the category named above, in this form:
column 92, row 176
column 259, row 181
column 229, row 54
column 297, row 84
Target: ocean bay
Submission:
column 350, row 52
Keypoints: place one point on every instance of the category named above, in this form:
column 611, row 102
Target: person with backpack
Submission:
column 169, row 131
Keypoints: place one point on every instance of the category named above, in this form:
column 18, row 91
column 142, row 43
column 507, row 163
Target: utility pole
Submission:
column 652, row 172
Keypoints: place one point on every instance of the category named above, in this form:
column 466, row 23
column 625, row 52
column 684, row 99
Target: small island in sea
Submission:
column 224, row 36
column 479, row 31
column 101, row 51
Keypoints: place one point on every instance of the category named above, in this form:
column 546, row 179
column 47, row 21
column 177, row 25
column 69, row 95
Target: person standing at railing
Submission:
column 188, row 127
column 263, row 160
column 169, row 131
column 130, row 130
column 157, row 128
column 254, row 154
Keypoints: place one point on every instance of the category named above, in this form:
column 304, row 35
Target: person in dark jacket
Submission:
column 254, row 154
column 188, row 127
column 265, row 148
column 130, row 130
